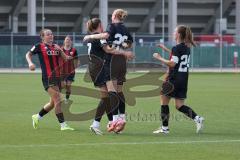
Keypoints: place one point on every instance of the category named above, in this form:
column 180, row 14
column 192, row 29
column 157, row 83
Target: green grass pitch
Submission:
column 214, row 96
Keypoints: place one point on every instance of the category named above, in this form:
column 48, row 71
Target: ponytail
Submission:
column 93, row 24
column 186, row 35
column 189, row 37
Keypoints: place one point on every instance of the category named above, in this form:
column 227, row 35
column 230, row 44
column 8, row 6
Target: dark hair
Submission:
column 186, row 35
column 68, row 36
column 93, row 24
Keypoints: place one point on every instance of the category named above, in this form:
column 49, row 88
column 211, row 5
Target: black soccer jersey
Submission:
column 95, row 47
column 181, row 56
column 118, row 34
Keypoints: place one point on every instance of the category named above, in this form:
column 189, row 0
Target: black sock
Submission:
column 101, row 109
column 108, row 109
column 110, row 116
column 42, row 112
column 187, row 111
column 68, row 95
column 121, row 103
column 60, row 117
column 114, row 102
column 165, row 115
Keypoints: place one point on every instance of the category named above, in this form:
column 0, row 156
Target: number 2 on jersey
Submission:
column 184, row 65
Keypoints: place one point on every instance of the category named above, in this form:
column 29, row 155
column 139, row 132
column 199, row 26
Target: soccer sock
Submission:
column 114, row 102
column 165, row 115
column 123, row 117
column 68, row 95
column 110, row 116
column 121, row 103
column 42, row 113
column 100, row 109
column 96, row 124
column 187, row 111
column 60, row 117
column 108, row 109
column 115, row 117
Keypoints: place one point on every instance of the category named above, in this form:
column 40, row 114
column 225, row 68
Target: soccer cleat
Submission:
column 35, row 121
column 161, row 130
column 66, row 128
column 119, row 126
column 109, row 124
column 66, row 101
column 199, row 124
column 95, row 130
column 112, row 126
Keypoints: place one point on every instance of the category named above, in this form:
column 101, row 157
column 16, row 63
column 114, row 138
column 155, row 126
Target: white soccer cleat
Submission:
column 66, row 101
column 199, row 123
column 95, row 130
column 66, row 127
column 161, row 130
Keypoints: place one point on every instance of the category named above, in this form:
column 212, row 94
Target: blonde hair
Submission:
column 42, row 32
column 120, row 14
column 186, row 35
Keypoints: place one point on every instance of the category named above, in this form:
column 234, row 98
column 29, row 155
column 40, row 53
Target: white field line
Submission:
column 119, row 143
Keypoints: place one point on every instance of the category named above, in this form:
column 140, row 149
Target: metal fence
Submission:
column 208, row 54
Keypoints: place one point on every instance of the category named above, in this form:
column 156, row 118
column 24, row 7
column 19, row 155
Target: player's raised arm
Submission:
column 169, row 63
column 104, row 35
column 162, row 46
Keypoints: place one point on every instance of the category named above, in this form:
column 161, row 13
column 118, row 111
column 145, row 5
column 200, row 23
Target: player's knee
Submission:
column 56, row 99
column 51, row 104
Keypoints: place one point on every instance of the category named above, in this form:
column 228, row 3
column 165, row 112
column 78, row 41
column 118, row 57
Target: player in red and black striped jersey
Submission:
column 67, row 68
column 49, row 54
column 178, row 77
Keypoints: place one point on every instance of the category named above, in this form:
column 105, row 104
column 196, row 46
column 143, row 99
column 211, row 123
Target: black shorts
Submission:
column 179, row 90
column 69, row 77
column 96, row 71
column 50, row 82
column 116, row 69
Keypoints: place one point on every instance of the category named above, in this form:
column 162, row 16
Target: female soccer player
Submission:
column 98, row 52
column 48, row 54
column 178, row 76
column 118, row 37
column 68, row 67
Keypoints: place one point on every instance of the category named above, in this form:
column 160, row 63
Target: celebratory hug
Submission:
column 108, row 53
